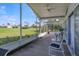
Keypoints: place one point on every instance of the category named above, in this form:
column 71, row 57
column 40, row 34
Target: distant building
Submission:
column 9, row 26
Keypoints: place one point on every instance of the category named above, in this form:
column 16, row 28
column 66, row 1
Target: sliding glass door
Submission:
column 77, row 31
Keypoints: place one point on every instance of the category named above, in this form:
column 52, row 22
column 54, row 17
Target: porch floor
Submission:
column 39, row 47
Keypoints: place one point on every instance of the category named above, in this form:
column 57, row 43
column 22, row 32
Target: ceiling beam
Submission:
column 52, row 17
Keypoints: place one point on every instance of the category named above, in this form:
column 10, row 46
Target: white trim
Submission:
column 70, row 50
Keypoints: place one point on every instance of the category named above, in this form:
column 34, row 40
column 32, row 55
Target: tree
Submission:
column 34, row 26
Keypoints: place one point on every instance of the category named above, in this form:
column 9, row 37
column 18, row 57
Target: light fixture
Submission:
column 57, row 20
column 49, row 7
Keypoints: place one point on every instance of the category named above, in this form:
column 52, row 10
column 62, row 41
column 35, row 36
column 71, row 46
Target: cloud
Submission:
column 12, row 19
column 3, row 10
column 8, row 18
column 2, row 7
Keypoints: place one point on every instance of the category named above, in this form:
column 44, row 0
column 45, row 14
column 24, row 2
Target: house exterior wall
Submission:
column 70, row 38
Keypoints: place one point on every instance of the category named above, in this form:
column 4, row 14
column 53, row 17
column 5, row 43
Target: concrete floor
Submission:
column 39, row 47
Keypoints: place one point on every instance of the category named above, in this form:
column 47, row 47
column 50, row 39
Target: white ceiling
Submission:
column 45, row 10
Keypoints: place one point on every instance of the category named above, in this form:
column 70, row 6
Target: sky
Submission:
column 10, row 13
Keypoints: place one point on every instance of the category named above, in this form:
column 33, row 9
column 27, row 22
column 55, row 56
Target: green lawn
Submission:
column 9, row 35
